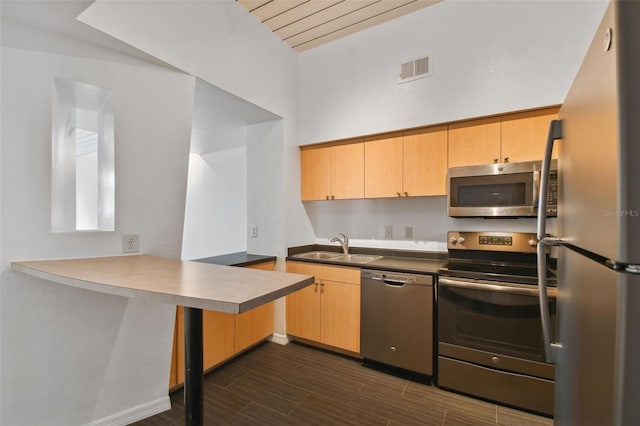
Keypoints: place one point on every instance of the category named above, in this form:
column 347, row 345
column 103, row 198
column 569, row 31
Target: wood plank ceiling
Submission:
column 305, row 24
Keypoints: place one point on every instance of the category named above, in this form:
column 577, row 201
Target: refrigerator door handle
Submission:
column 555, row 132
column 550, row 348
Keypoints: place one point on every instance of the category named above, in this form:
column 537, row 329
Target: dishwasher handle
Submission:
column 393, row 282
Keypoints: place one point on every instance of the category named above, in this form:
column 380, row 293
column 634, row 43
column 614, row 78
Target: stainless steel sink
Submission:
column 319, row 255
column 356, row 258
column 337, row 257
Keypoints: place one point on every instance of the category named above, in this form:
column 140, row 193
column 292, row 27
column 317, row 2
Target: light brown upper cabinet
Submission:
column 424, row 160
column 524, row 134
column 474, row 142
column 333, row 172
column 408, row 164
column 383, row 166
column 508, row 138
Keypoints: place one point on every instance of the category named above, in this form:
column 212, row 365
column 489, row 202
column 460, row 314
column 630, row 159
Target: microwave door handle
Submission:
column 536, row 187
column 550, row 348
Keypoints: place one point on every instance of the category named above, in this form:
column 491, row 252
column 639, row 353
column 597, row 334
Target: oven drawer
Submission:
column 498, row 361
column 518, row 390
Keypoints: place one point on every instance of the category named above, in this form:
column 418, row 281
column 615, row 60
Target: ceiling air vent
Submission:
column 415, row 69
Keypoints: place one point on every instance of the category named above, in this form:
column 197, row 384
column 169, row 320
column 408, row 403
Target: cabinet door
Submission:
column 347, row 171
column 315, row 168
column 217, row 339
column 257, row 324
column 383, row 166
column 340, row 315
column 474, row 142
column 524, row 134
column 173, row 375
column 303, row 313
column 303, row 306
column 424, row 162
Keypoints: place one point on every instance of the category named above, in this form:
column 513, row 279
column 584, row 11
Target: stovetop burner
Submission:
column 495, row 256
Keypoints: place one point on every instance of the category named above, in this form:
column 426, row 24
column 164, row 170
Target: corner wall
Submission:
column 71, row 356
column 221, row 43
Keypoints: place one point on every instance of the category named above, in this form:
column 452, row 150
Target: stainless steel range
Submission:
column 490, row 341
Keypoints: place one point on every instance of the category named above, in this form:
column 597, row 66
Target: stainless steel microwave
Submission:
column 500, row 190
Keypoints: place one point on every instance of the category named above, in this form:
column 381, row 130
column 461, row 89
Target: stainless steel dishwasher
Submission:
column 396, row 325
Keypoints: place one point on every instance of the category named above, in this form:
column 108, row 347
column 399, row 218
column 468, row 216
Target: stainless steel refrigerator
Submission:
column 597, row 348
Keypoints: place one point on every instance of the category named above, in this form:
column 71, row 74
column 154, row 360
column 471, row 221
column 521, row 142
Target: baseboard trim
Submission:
column 281, row 339
column 135, row 414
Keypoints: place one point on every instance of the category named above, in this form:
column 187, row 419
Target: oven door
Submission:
column 493, row 323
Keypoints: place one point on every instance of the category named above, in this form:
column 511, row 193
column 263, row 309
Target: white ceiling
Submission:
column 59, row 17
column 305, row 24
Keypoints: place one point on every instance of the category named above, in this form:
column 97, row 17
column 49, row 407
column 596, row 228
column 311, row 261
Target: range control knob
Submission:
column 461, row 240
column 533, row 242
column 453, row 240
column 495, row 360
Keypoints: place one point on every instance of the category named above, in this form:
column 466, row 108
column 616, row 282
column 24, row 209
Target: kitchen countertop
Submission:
column 241, row 258
column 172, row 281
column 421, row 262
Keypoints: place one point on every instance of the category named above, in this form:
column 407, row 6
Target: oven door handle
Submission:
column 491, row 286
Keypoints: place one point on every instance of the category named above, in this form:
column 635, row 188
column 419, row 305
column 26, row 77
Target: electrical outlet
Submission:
column 130, row 243
column 388, row 232
column 254, row 231
column 408, row 232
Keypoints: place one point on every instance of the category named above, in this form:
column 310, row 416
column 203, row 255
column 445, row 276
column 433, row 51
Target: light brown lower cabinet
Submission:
column 327, row 312
column 223, row 335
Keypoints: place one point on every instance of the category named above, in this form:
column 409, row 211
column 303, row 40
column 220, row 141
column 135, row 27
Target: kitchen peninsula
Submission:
column 194, row 285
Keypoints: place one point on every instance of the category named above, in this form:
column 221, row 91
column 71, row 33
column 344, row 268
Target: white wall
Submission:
column 489, row 57
column 216, row 211
column 221, row 43
column 70, row 356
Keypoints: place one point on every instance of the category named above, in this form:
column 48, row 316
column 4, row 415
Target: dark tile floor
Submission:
column 298, row 385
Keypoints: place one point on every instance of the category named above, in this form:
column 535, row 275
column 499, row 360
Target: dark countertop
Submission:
column 392, row 259
column 241, row 258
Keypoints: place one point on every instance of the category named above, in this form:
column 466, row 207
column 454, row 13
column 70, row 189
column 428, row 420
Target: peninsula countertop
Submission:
column 187, row 283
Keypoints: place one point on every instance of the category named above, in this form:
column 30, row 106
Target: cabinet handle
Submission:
column 327, row 197
column 398, row 194
column 406, row 194
column 495, row 160
column 316, row 289
column 506, row 159
column 333, row 197
column 321, row 287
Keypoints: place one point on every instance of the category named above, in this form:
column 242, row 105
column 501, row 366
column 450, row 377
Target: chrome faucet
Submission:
column 343, row 240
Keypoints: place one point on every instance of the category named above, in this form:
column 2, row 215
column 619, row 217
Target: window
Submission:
column 83, row 178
